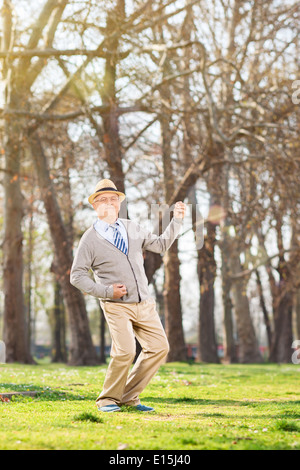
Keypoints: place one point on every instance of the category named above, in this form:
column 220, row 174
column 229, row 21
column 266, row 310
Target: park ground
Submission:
column 197, row 407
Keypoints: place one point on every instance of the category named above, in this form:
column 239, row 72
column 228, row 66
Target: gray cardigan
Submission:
column 110, row 265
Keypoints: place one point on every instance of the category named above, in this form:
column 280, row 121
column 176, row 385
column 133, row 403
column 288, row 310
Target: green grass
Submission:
column 198, row 406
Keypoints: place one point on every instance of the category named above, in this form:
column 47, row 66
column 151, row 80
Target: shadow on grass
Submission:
column 44, row 393
column 264, row 410
column 286, row 410
column 226, row 402
column 193, row 401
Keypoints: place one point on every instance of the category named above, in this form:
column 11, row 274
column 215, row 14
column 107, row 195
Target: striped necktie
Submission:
column 119, row 240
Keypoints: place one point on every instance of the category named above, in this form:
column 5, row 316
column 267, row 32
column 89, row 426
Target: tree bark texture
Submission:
column 18, row 78
column 15, row 329
column 281, row 351
column 282, row 312
column 110, row 119
column 248, row 349
column 207, row 347
column 58, row 321
column 172, row 298
column 230, row 353
column 81, row 349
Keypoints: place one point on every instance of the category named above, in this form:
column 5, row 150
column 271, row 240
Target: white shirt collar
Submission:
column 104, row 225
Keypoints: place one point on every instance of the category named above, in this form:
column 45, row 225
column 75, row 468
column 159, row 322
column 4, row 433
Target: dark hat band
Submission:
column 107, row 189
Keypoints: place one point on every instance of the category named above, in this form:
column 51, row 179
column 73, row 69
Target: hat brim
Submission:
column 94, row 195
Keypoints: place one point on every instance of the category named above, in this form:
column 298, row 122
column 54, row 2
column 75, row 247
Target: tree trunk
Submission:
column 15, row 329
column 230, row 353
column 207, row 345
column 248, row 350
column 173, row 315
column 81, row 350
column 28, row 258
column 206, row 270
column 281, row 351
column 110, row 119
column 282, row 295
column 172, row 299
column 14, row 326
column 59, row 347
column 18, row 81
column 282, row 311
column 264, row 310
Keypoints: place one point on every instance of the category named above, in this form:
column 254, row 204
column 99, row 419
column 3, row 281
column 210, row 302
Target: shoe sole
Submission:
column 109, row 411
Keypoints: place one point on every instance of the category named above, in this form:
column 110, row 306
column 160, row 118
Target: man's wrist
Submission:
column 109, row 292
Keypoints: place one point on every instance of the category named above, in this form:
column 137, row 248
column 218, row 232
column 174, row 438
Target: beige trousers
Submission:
column 125, row 321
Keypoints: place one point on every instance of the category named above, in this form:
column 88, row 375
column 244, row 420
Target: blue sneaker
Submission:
column 109, row 408
column 143, row 408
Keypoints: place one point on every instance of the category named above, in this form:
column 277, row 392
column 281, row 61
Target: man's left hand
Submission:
column 179, row 210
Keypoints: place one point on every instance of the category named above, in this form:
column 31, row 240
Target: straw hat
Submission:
column 105, row 186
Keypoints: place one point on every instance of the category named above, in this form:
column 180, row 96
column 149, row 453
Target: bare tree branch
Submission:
column 51, row 52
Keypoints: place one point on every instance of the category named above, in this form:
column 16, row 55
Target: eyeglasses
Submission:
column 105, row 200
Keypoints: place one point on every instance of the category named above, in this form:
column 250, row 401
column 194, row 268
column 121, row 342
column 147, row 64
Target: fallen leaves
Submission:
column 4, row 399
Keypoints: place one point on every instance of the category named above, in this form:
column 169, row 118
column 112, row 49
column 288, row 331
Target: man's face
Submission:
column 107, row 205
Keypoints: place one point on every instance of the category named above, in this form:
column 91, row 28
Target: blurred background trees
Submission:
column 171, row 99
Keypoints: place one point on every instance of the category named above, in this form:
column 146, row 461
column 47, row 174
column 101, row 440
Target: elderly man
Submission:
column 113, row 249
